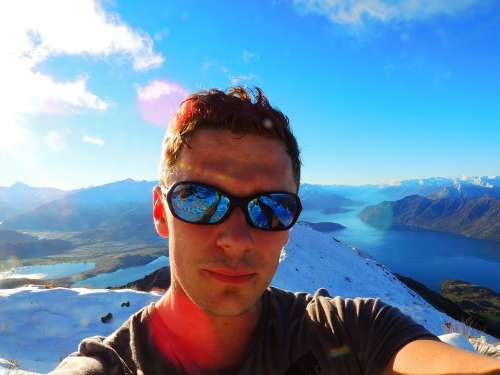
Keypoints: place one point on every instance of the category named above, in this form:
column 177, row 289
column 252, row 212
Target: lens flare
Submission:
column 159, row 100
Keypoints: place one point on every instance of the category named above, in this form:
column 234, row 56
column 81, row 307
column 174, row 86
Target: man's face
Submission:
column 202, row 256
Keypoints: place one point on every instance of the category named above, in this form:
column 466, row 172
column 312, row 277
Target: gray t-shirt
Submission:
column 297, row 334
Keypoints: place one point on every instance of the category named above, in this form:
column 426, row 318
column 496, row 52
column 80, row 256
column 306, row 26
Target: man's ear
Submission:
column 159, row 213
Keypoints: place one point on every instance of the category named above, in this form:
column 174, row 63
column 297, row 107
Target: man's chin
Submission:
column 230, row 305
column 232, row 312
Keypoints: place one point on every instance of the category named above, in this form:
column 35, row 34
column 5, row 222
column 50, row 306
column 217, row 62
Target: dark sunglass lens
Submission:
column 198, row 203
column 273, row 211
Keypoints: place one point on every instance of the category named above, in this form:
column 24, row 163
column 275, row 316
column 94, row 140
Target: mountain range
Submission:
column 116, row 211
column 477, row 217
column 20, row 198
column 395, row 190
column 121, row 211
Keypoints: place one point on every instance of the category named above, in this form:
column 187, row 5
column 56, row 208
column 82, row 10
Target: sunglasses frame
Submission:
column 241, row 202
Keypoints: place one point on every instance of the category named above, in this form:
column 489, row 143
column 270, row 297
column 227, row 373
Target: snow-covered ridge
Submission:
column 315, row 260
column 38, row 327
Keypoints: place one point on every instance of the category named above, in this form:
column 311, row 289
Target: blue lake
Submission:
column 428, row 257
column 48, row 271
column 122, row 276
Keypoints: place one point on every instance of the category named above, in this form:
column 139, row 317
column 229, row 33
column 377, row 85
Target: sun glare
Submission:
column 12, row 135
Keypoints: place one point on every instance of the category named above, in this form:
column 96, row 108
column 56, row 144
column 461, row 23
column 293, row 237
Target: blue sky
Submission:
column 375, row 90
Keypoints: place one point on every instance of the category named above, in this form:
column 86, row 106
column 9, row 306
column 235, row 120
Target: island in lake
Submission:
column 324, row 226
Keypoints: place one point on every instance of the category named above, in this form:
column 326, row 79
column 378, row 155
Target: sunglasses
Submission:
column 197, row 203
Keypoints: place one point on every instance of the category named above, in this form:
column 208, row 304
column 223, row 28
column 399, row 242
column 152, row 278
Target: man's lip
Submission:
column 231, row 276
column 230, row 272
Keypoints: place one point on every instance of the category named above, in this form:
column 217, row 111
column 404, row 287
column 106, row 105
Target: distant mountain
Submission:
column 122, row 211
column 466, row 190
column 400, row 189
column 111, row 208
column 324, row 198
column 424, row 187
column 20, row 245
column 429, row 186
column 472, row 217
column 20, row 198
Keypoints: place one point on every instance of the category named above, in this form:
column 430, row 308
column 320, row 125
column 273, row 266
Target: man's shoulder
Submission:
column 321, row 299
column 339, row 314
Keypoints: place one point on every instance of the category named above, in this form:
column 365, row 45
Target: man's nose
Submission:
column 235, row 236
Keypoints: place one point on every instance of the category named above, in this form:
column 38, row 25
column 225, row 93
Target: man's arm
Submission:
column 434, row 357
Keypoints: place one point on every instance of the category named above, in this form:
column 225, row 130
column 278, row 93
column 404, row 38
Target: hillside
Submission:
column 486, row 315
column 475, row 300
column 472, row 217
column 159, row 280
column 20, row 245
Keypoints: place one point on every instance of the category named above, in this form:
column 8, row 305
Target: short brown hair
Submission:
column 238, row 110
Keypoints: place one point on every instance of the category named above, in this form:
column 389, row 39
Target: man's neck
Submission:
column 203, row 340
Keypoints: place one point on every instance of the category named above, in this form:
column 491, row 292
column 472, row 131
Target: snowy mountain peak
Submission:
column 18, row 185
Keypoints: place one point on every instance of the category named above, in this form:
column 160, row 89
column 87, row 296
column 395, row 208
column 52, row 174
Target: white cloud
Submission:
column 248, row 56
column 242, row 78
column 163, row 33
column 355, row 12
column 234, row 79
column 55, row 28
column 33, row 31
column 55, row 141
column 209, row 64
column 93, row 140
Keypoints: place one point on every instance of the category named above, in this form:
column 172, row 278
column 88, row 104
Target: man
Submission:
column 229, row 175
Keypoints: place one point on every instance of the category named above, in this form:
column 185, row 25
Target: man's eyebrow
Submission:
column 226, row 165
column 224, row 171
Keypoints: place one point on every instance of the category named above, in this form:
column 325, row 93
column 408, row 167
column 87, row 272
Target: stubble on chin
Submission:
column 221, row 300
column 232, row 305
